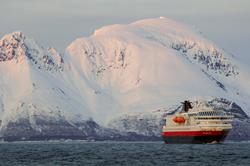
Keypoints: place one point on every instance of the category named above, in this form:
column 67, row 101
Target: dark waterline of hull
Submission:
column 193, row 139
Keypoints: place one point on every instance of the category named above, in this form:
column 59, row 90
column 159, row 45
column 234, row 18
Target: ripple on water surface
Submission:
column 101, row 153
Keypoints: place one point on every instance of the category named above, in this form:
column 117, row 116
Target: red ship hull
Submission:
column 194, row 137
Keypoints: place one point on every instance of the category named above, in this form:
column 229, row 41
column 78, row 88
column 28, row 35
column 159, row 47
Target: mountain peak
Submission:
column 12, row 38
column 18, row 34
column 10, row 43
column 17, row 45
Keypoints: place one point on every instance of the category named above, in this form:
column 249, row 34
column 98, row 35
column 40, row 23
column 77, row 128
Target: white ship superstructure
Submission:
column 201, row 124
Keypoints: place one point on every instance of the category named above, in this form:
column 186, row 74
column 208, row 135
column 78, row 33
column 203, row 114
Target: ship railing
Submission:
column 179, row 129
column 214, row 118
column 215, row 125
column 210, row 120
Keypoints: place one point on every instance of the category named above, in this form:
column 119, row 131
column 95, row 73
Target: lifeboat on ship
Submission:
column 178, row 119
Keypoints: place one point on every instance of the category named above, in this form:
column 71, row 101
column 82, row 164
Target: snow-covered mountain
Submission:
column 119, row 83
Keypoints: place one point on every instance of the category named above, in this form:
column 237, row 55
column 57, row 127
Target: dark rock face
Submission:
column 59, row 130
column 209, row 59
column 20, row 128
column 130, row 127
column 10, row 45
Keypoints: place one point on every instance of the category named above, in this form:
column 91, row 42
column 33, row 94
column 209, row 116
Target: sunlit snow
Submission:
column 122, row 69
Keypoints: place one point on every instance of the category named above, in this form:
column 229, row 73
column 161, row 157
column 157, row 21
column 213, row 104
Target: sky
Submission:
column 58, row 23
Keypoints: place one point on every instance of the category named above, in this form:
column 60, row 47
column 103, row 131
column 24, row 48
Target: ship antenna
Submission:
column 204, row 102
column 195, row 103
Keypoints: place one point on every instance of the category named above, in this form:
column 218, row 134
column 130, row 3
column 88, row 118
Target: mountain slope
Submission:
column 113, row 83
column 157, row 62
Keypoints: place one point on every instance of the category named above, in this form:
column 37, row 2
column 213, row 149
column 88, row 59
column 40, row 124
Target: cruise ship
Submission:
column 199, row 125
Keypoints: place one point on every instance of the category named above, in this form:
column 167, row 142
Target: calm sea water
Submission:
column 104, row 153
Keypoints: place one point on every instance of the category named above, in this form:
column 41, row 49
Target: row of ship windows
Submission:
column 214, row 118
column 211, row 113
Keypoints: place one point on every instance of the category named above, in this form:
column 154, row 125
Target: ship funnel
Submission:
column 186, row 106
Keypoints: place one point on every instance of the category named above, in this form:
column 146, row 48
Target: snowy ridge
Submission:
column 120, row 82
column 18, row 46
column 121, row 50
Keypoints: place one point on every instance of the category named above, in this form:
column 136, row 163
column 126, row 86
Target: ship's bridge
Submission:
column 212, row 115
column 206, row 114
